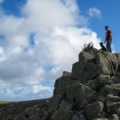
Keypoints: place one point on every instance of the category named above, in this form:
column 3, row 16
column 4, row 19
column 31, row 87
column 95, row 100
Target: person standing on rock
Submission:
column 108, row 39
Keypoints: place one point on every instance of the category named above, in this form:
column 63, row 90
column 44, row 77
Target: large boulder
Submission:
column 113, row 89
column 103, row 80
column 93, row 63
column 112, row 107
column 94, row 110
column 80, row 94
column 115, row 117
column 61, row 85
column 63, row 113
column 87, row 67
column 54, row 101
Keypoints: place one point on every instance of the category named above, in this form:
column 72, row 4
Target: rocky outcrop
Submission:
column 90, row 92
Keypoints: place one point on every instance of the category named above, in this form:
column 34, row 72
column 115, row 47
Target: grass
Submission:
column 4, row 102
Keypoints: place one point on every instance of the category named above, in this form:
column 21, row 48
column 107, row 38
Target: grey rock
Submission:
column 63, row 113
column 21, row 117
column 93, row 63
column 115, row 117
column 94, row 110
column 112, row 107
column 75, row 117
column 80, row 94
column 113, row 89
column 82, row 117
column 85, row 71
column 92, row 84
column 61, row 85
column 54, row 101
column 113, row 98
column 65, row 74
column 102, row 119
column 118, row 112
column 103, row 80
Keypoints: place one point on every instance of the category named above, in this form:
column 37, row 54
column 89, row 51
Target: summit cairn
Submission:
column 91, row 91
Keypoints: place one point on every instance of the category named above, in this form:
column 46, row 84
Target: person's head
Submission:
column 106, row 27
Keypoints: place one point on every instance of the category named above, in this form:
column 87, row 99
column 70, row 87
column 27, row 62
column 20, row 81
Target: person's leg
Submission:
column 109, row 46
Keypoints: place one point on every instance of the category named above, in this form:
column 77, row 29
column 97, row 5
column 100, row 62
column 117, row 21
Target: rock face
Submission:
column 90, row 92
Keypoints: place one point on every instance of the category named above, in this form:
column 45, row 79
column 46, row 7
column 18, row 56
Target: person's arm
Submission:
column 111, row 36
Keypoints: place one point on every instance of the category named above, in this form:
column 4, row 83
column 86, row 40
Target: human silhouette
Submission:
column 108, row 38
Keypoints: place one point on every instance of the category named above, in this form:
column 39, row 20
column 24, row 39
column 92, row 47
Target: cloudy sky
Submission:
column 39, row 39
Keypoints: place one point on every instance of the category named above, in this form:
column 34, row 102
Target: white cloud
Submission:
column 43, row 15
column 57, row 43
column 38, row 88
column 10, row 25
column 70, row 40
column 94, row 12
column 48, row 14
column 2, row 55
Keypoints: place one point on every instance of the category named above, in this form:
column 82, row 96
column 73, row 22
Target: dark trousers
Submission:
column 108, row 46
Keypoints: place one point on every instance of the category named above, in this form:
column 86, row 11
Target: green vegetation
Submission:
column 92, row 84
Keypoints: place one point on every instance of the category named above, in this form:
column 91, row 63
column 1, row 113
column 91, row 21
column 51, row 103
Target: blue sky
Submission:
column 109, row 16
column 39, row 39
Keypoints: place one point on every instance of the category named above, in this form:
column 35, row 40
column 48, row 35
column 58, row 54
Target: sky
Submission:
column 39, row 39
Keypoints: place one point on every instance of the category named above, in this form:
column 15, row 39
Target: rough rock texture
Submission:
column 94, row 110
column 80, row 94
column 90, row 92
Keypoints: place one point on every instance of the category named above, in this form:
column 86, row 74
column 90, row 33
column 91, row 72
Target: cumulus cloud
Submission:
column 2, row 55
column 94, row 12
column 56, row 43
column 43, row 15
column 38, row 88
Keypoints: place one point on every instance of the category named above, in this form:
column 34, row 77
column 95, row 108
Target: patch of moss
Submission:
column 101, row 98
column 106, row 81
column 92, row 84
